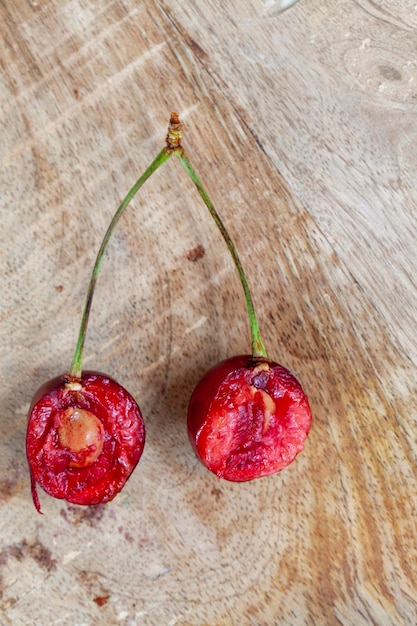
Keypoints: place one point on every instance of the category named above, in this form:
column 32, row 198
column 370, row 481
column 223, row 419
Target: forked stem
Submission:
column 173, row 145
column 164, row 155
column 258, row 348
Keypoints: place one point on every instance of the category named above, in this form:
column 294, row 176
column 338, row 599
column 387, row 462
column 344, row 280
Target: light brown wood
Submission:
column 303, row 128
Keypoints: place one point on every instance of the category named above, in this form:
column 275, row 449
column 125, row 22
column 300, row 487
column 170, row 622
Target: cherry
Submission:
column 248, row 417
column 85, row 437
column 85, row 432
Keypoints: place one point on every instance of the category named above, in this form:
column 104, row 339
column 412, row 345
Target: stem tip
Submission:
column 175, row 132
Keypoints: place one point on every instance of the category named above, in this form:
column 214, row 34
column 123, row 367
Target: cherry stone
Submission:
column 82, row 433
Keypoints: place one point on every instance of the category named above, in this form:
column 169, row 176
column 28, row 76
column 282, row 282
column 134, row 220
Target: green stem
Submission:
column 76, row 365
column 258, row 348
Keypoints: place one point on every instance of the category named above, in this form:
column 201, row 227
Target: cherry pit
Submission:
column 248, row 416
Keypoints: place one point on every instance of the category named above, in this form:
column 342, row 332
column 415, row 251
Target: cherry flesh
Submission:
column 84, row 438
column 247, row 418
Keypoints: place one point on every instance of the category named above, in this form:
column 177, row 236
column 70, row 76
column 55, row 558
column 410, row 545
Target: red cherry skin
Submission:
column 84, row 438
column 247, row 418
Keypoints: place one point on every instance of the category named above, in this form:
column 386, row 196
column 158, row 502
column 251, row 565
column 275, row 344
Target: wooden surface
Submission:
column 303, row 128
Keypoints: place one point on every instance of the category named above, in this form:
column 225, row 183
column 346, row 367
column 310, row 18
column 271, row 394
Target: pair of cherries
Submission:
column 248, row 416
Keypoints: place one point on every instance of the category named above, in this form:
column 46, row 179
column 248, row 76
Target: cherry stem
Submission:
column 173, row 145
column 164, row 155
column 258, row 348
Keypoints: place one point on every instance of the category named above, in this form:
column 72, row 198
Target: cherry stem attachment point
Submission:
column 258, row 348
column 164, row 155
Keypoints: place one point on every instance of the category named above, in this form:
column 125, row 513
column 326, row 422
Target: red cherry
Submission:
column 248, row 417
column 84, row 438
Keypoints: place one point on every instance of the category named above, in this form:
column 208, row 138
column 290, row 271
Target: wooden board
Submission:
column 303, row 128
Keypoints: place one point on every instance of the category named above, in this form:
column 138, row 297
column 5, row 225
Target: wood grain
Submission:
column 302, row 126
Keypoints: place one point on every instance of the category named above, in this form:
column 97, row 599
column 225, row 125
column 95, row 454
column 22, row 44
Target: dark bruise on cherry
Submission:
column 247, row 418
column 84, row 438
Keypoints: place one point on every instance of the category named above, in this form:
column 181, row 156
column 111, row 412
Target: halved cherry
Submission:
column 248, row 417
column 84, row 438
